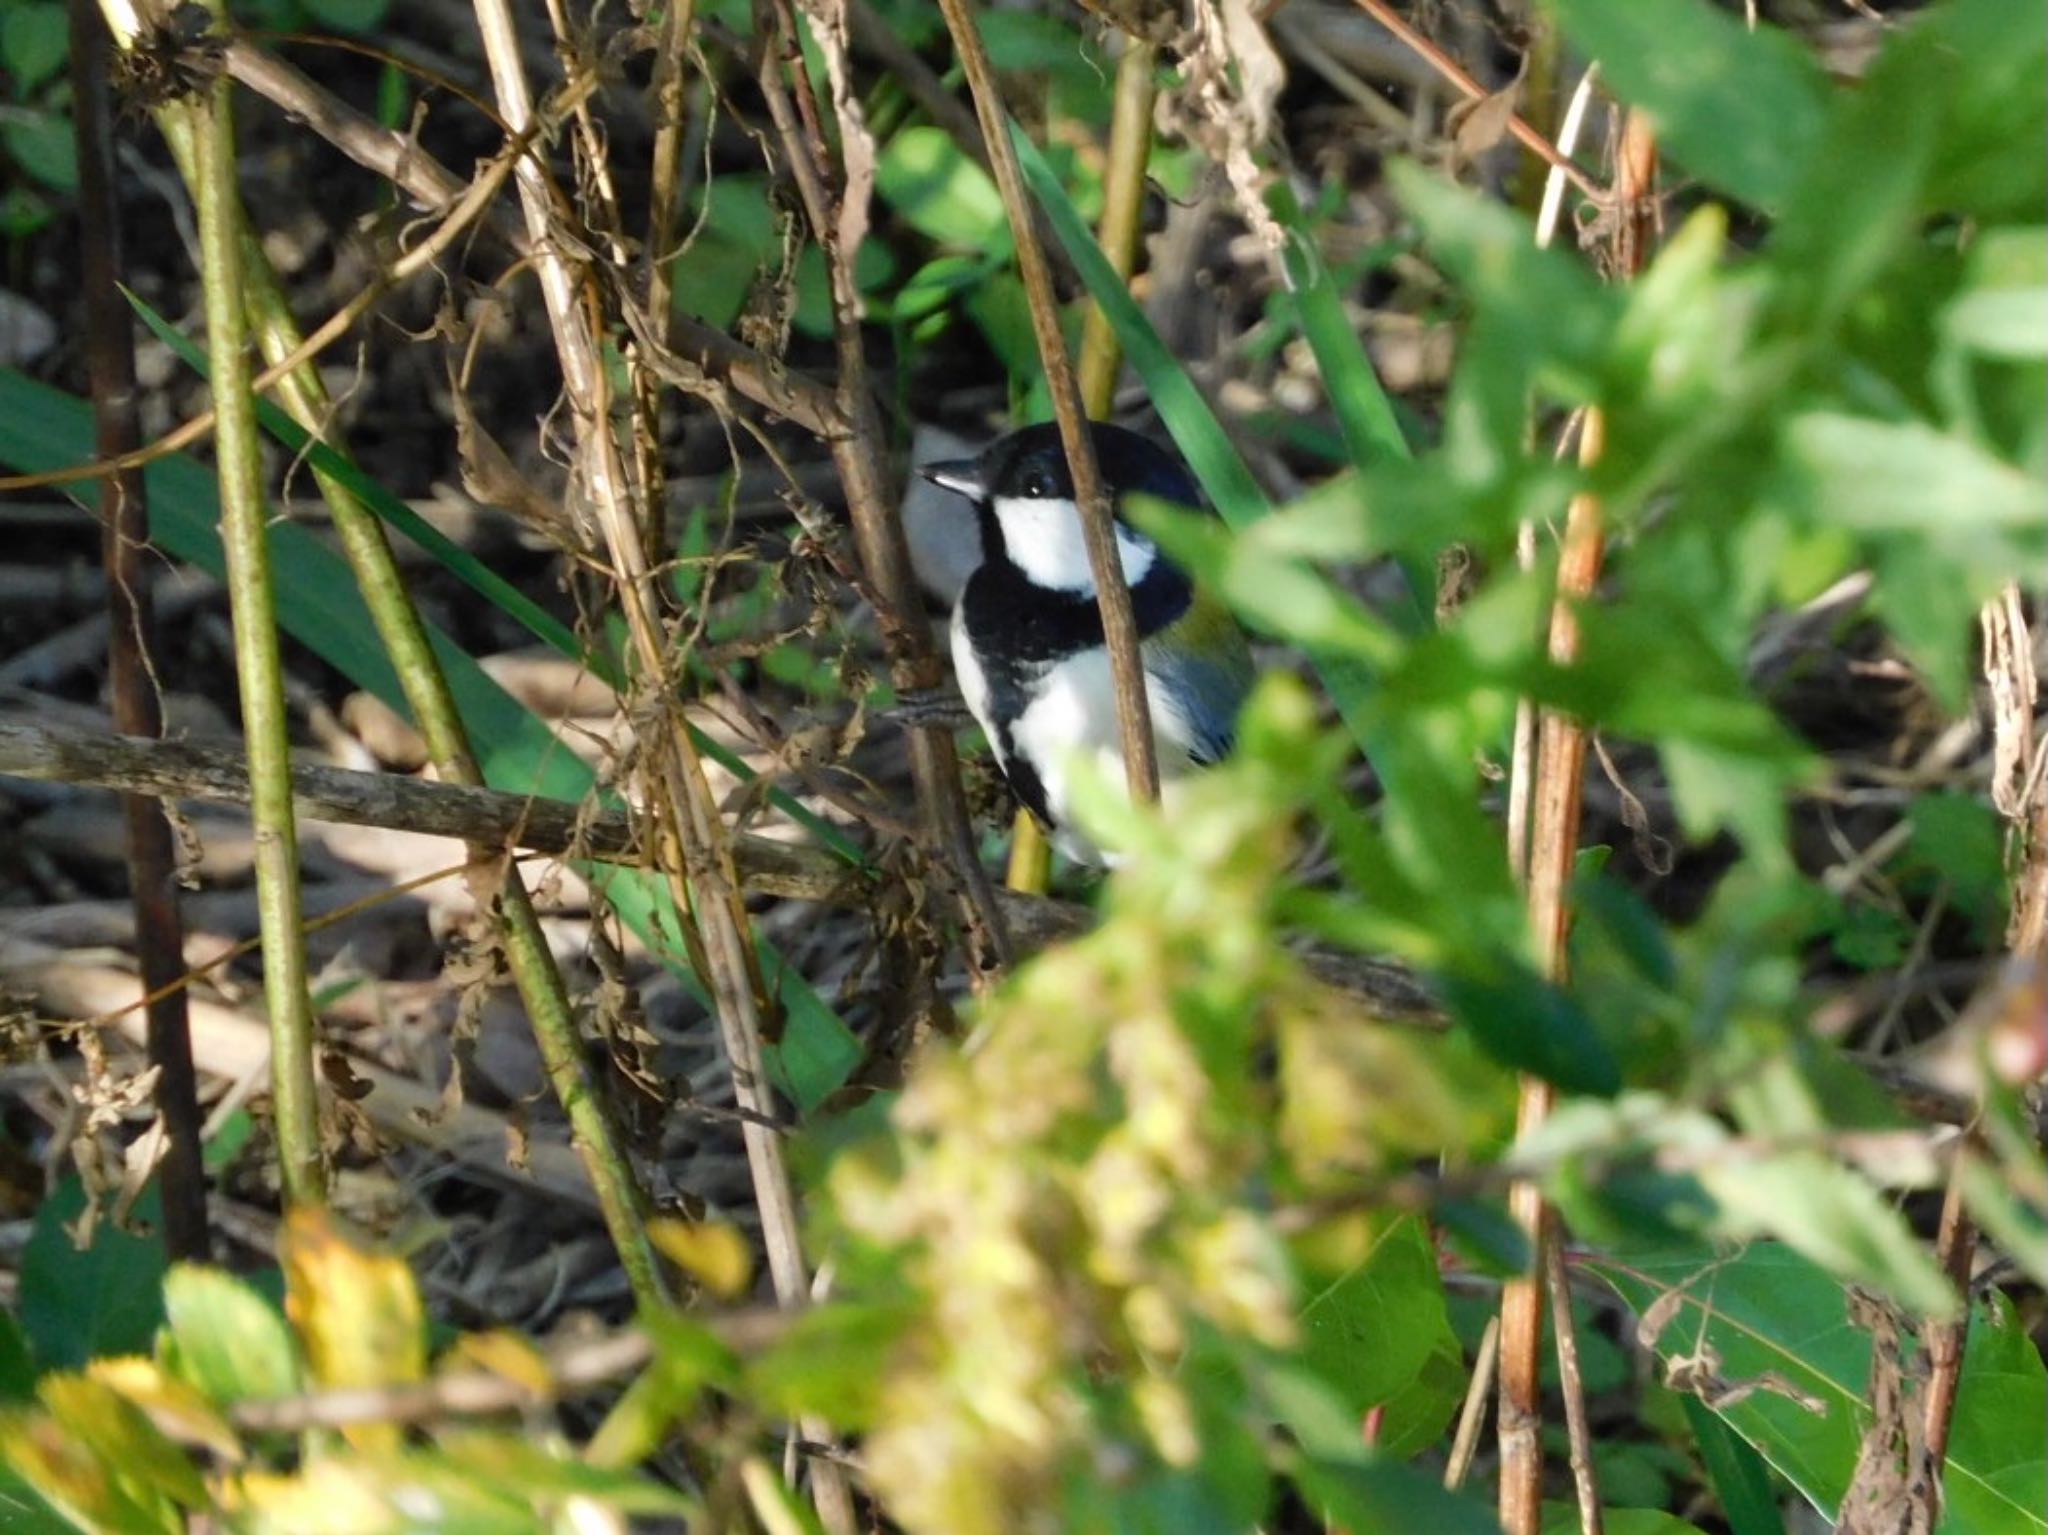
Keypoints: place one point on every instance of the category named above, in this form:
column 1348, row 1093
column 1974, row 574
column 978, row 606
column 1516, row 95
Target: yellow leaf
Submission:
column 173, row 1406
column 712, row 1252
column 118, row 1432
column 507, row 1354
column 358, row 1314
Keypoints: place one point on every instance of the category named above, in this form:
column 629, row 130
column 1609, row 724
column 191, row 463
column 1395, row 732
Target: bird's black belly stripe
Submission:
column 1019, row 631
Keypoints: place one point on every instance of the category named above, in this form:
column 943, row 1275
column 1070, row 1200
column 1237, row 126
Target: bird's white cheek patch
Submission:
column 1043, row 539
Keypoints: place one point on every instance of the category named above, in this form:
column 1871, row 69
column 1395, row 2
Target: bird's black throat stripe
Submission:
column 1020, row 630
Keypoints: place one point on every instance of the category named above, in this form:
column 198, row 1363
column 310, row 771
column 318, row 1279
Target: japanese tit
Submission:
column 1027, row 635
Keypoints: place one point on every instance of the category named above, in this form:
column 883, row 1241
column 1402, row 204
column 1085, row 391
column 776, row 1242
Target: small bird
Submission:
column 1027, row 635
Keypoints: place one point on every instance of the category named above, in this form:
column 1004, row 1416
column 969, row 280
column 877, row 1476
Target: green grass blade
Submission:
column 43, row 429
column 1193, row 426
column 1365, row 415
column 475, row 574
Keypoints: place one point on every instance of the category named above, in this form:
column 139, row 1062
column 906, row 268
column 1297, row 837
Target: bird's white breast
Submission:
column 1072, row 715
column 1043, row 539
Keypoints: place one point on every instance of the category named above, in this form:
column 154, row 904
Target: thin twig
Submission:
column 858, row 448
column 459, row 216
column 1955, row 1248
column 1119, row 233
column 1572, row 1385
column 690, row 820
column 1112, row 593
column 131, row 674
column 188, row 770
column 1456, row 73
column 1472, row 1416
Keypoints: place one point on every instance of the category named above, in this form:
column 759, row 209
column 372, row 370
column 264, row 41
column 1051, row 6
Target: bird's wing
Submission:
column 1202, row 666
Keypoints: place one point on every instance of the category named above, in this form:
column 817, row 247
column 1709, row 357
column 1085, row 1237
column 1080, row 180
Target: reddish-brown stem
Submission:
column 131, row 680
column 1554, row 840
column 1955, row 1248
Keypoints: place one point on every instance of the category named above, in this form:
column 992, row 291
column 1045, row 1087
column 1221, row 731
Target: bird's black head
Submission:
column 1031, row 465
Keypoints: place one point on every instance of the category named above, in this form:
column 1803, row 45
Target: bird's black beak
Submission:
column 962, row 476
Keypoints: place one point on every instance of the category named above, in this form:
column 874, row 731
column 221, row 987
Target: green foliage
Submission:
column 135, row 1444
column 35, row 116
column 1765, row 1319
column 81, row 1302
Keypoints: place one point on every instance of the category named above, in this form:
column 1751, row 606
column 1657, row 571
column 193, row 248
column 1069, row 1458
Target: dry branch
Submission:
column 185, row 770
column 1112, row 593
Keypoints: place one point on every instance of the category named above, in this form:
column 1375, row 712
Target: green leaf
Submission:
column 2002, row 310
column 1909, row 477
column 17, row 1362
column 1563, row 1519
column 2000, row 50
column 1525, row 1022
column 1834, row 1216
column 1373, row 1495
column 1369, row 1331
column 353, row 17
column 1859, row 197
column 22, row 1510
column 1766, row 1310
column 1372, row 432
column 225, row 1338
column 34, row 42
column 1739, row 109
column 106, row 1299
column 1189, row 421
column 1741, row 1479
column 941, row 193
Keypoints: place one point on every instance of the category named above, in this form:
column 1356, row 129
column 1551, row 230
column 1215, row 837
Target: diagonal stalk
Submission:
column 1112, row 594
column 1554, row 839
column 1102, row 356
column 690, row 821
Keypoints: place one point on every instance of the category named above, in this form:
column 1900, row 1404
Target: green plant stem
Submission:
column 258, row 666
column 496, row 882
column 1123, row 207
column 541, row 988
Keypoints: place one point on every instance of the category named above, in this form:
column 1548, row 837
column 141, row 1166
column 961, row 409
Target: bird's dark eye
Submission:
column 1038, row 486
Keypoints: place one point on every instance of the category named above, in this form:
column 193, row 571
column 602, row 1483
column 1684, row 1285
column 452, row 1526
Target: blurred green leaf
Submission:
column 225, row 1338
column 1741, row 110
column 351, row 17
column 1741, row 1479
column 104, row 1299
column 940, row 192
column 1563, row 1519
column 35, row 41
column 41, row 143
column 1382, row 1495
column 1368, row 1330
